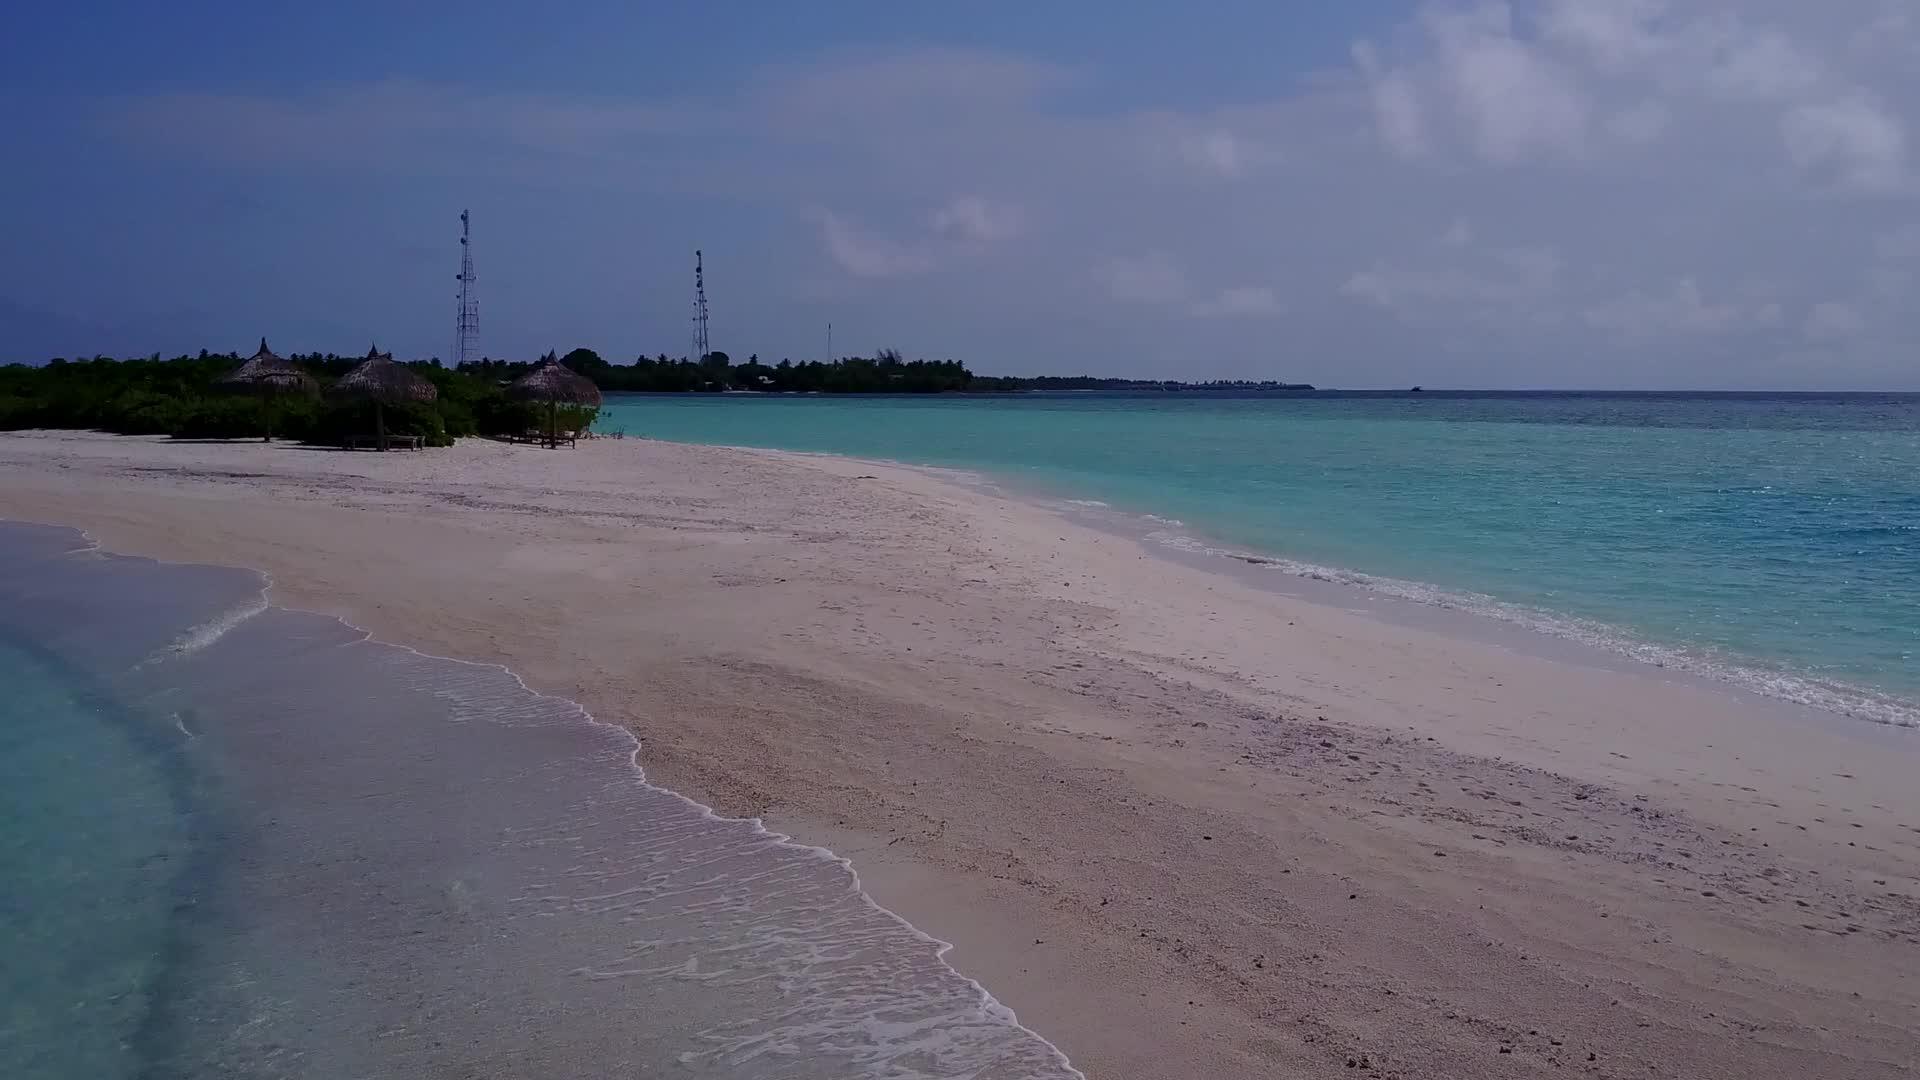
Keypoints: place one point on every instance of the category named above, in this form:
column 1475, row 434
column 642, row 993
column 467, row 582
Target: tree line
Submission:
column 178, row 396
column 884, row 373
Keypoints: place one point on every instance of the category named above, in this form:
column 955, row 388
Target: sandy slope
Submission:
column 1185, row 827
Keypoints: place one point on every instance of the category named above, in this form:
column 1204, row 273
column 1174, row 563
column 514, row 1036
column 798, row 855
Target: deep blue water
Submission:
column 1769, row 539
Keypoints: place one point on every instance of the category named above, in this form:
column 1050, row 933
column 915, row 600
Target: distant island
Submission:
column 887, row 372
column 181, row 397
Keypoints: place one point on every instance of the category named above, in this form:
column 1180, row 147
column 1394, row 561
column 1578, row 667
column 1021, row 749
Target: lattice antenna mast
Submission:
column 701, row 347
column 466, row 331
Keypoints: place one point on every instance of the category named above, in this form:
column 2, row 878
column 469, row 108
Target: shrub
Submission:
column 17, row 413
column 143, row 412
column 221, row 418
column 458, row 420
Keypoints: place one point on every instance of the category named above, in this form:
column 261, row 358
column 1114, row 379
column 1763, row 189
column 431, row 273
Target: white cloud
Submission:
column 1148, row 279
column 1853, row 142
column 1641, row 123
column 1615, row 34
column 967, row 225
column 1398, row 114
column 1716, row 49
column 1574, row 80
column 1158, row 281
column 1890, row 284
column 1475, row 286
column 1239, row 300
column 1217, row 152
column 1833, row 320
column 1902, row 242
column 1681, row 310
column 974, row 221
column 1760, row 65
column 1895, row 32
column 867, row 254
column 1222, row 144
column 1516, row 100
column 951, row 86
column 1615, row 184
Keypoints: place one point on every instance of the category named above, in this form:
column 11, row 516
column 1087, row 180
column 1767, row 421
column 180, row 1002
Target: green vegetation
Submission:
column 885, row 373
column 178, row 398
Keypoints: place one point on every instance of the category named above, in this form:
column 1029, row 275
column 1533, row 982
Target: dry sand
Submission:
column 1184, row 826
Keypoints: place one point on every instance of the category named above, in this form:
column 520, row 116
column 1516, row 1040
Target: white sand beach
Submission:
column 1184, row 826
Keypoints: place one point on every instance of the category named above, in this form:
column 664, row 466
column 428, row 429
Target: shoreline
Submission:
column 989, row 1004
column 1538, row 632
column 1555, row 635
column 982, row 1012
column 1243, row 832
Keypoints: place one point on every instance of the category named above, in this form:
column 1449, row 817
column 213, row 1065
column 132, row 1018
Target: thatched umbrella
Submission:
column 269, row 376
column 557, row 385
column 379, row 380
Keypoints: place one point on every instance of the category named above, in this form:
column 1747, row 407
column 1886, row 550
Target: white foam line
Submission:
column 1860, row 703
column 195, row 638
column 989, row 1004
column 205, row 634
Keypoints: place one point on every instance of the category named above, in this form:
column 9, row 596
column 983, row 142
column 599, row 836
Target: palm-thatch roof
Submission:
column 555, row 383
column 267, row 373
column 379, row 379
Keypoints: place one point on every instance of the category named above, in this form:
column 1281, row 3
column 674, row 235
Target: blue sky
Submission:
column 1599, row 193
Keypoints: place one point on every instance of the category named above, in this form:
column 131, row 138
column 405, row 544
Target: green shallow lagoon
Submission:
column 94, row 840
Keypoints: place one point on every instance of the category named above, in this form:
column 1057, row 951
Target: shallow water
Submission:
column 256, row 843
column 1773, row 541
column 93, row 845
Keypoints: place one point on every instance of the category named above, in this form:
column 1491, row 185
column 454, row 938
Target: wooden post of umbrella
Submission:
column 379, row 380
column 554, row 384
column 269, row 377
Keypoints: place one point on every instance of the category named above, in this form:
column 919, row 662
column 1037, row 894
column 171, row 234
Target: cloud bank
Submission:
column 1688, row 193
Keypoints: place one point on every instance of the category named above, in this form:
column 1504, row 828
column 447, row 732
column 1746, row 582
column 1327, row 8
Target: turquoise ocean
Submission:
column 1770, row 541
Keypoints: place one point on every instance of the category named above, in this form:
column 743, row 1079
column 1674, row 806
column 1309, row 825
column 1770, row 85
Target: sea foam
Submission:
column 413, row 864
column 1801, row 689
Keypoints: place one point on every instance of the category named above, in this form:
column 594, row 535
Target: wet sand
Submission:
column 1181, row 824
